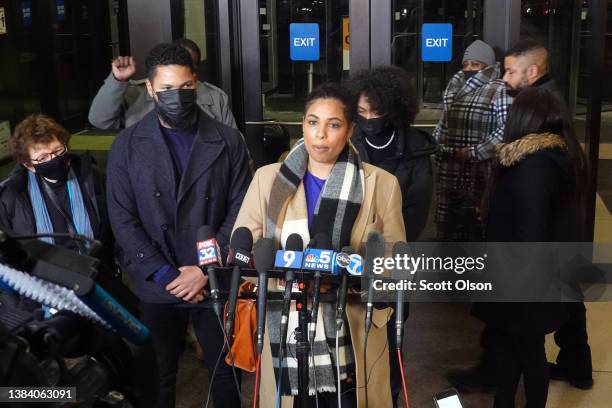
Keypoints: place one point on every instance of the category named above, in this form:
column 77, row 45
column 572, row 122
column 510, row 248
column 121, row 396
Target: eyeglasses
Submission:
column 49, row 156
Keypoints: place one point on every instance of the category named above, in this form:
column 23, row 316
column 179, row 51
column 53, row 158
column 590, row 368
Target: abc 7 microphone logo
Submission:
column 353, row 263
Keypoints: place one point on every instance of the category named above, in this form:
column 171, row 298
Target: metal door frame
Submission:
column 246, row 63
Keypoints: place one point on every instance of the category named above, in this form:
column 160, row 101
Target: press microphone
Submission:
column 290, row 259
column 355, row 266
column 241, row 244
column 343, row 259
column 209, row 257
column 374, row 248
column 312, row 259
column 294, row 243
column 400, row 248
column 322, row 241
column 264, row 260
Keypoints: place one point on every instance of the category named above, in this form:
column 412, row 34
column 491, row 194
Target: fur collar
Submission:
column 509, row 154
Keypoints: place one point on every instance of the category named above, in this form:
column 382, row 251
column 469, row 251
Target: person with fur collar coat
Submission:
column 535, row 197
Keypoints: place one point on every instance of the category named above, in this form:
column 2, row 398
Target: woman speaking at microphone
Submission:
column 323, row 187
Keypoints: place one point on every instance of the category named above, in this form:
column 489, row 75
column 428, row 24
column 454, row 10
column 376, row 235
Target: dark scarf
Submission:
column 338, row 205
column 336, row 211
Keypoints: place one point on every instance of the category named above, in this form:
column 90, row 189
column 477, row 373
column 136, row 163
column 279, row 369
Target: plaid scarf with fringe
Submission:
column 335, row 212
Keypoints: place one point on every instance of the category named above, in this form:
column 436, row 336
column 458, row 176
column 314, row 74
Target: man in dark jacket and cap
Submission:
column 172, row 172
column 526, row 65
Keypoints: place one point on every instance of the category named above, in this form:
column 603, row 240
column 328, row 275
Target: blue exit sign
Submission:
column 304, row 41
column 437, row 42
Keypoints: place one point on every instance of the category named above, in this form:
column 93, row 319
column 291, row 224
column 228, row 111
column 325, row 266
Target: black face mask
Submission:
column 177, row 108
column 469, row 74
column 372, row 127
column 54, row 169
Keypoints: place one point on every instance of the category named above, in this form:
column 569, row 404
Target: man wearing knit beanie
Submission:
column 475, row 109
column 472, row 123
column 479, row 51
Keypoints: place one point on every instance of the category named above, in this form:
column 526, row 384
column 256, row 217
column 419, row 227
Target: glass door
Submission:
column 55, row 56
column 284, row 82
column 197, row 20
column 273, row 87
column 408, row 16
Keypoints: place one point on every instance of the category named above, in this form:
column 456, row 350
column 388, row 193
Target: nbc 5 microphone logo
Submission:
column 319, row 260
column 311, row 258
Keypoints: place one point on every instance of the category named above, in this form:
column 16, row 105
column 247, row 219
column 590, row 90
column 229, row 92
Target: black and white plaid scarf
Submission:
column 336, row 211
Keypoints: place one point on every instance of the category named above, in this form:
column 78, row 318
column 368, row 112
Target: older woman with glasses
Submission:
column 51, row 191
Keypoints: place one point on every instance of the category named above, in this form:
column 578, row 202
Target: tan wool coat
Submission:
column 381, row 211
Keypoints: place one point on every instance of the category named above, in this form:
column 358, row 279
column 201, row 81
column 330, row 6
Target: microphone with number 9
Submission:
column 293, row 244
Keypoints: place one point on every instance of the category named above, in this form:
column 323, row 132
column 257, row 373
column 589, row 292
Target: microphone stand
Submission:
column 302, row 346
column 301, row 332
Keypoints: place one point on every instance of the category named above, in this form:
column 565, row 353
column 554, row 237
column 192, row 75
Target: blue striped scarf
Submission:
column 80, row 218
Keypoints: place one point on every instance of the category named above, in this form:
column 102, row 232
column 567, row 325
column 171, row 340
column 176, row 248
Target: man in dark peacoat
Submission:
column 156, row 217
column 168, row 174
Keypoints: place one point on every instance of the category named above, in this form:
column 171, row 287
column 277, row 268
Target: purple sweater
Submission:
column 180, row 144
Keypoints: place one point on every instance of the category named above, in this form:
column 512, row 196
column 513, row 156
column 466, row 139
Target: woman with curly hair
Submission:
column 385, row 138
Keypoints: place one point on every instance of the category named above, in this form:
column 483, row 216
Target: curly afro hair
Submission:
column 389, row 92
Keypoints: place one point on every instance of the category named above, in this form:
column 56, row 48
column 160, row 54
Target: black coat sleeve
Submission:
column 124, row 217
column 4, row 210
column 536, row 193
column 240, row 178
column 417, row 198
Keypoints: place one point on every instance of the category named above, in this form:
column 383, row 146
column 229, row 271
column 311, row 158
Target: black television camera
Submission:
column 91, row 341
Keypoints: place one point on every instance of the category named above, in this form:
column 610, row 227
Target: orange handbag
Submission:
column 245, row 327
